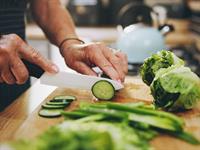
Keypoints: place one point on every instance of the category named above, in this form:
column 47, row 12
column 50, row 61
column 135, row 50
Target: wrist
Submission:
column 68, row 42
column 70, row 39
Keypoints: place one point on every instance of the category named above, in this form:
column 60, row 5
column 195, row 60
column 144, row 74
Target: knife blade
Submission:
column 72, row 80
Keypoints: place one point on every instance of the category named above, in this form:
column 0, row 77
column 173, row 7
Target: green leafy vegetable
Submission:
column 146, row 112
column 87, row 136
column 162, row 59
column 176, row 88
column 136, row 115
column 173, row 86
column 108, row 126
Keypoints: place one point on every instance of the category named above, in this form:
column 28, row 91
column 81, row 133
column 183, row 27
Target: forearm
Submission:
column 58, row 25
column 54, row 19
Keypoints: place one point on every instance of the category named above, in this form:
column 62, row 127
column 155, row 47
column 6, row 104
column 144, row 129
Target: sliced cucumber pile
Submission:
column 103, row 90
column 54, row 107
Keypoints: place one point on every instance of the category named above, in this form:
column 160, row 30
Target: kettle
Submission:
column 141, row 40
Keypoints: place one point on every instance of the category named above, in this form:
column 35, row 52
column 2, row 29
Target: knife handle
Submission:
column 34, row 70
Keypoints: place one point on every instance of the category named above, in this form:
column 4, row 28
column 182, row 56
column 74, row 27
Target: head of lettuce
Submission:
column 173, row 86
column 176, row 88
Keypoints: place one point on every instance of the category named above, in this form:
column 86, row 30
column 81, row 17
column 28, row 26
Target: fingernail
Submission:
column 55, row 68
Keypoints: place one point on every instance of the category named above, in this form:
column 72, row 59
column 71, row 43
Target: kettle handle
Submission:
column 128, row 14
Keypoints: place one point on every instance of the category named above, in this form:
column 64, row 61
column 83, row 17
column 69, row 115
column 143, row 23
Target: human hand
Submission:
column 82, row 57
column 12, row 69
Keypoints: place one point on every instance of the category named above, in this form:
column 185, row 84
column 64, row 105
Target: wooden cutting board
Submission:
column 133, row 92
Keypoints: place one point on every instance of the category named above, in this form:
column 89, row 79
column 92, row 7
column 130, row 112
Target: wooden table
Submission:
column 14, row 116
column 21, row 120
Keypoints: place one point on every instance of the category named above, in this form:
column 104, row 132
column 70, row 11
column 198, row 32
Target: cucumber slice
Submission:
column 53, row 106
column 64, row 103
column 65, row 97
column 103, row 90
column 60, row 100
column 50, row 113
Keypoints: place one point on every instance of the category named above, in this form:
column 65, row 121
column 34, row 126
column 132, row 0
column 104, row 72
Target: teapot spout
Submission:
column 165, row 29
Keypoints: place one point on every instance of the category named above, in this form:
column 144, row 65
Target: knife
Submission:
column 75, row 80
column 33, row 69
column 65, row 79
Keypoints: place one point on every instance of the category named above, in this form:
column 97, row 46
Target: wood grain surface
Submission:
column 134, row 91
column 37, row 124
column 14, row 115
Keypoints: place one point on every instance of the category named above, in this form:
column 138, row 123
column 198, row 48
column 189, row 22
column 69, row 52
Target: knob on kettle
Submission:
column 166, row 28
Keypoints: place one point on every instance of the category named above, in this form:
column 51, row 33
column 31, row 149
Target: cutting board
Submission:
column 133, row 92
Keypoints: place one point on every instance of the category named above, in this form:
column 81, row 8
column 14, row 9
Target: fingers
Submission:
column 124, row 61
column 1, row 80
column 12, row 69
column 19, row 70
column 33, row 56
column 84, row 69
column 98, row 58
column 7, row 76
column 115, row 61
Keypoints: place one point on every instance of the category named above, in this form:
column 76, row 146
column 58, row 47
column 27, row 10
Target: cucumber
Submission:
column 64, row 103
column 50, row 113
column 60, row 100
column 103, row 90
column 65, row 97
column 53, row 106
